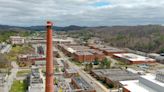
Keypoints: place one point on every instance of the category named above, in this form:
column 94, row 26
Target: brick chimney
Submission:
column 49, row 60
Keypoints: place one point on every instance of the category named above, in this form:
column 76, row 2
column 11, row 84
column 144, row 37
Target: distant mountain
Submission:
column 79, row 28
column 12, row 28
column 56, row 28
column 40, row 28
column 6, row 27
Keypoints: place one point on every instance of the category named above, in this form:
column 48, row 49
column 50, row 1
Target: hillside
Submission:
column 56, row 28
column 148, row 38
column 7, row 31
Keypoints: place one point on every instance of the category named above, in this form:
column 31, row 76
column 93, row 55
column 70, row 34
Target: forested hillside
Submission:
column 5, row 33
column 149, row 38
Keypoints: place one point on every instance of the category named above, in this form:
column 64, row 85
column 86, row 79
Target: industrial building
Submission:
column 36, row 40
column 95, row 40
column 43, row 62
column 113, row 76
column 3, row 79
column 5, row 48
column 63, row 86
column 83, row 57
column 40, row 62
column 130, row 58
column 107, row 50
column 71, row 72
column 30, row 58
column 65, row 63
column 36, row 81
column 89, row 55
column 146, row 83
column 55, row 40
column 156, row 56
column 63, row 40
column 81, row 85
column 81, row 53
column 160, row 75
column 17, row 40
column 70, row 49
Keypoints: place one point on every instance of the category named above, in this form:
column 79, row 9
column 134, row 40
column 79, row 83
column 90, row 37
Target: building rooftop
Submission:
column 107, row 48
column 95, row 51
column 16, row 37
column 161, row 70
column 134, row 57
column 71, row 50
column 72, row 70
column 146, row 83
column 152, row 78
column 116, row 74
column 83, row 53
column 63, row 40
column 36, row 81
column 82, row 83
column 3, row 76
column 124, row 76
column 132, row 85
column 97, row 46
column 79, row 48
column 113, row 50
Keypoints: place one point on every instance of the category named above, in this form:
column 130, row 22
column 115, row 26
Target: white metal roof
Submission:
column 134, row 57
column 71, row 50
column 138, row 86
column 152, row 79
column 135, row 86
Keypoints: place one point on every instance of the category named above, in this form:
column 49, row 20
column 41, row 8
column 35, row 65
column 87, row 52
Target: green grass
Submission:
column 17, row 50
column 19, row 86
column 76, row 63
column 23, row 72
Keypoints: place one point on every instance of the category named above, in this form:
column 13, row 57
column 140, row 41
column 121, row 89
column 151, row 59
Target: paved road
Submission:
column 11, row 77
column 94, row 83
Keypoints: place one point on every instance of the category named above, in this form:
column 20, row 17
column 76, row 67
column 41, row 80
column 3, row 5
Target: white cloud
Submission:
column 81, row 12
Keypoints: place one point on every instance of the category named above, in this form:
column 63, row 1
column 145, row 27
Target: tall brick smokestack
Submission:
column 49, row 60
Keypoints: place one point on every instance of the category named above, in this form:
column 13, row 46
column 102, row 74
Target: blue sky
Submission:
column 81, row 12
column 101, row 4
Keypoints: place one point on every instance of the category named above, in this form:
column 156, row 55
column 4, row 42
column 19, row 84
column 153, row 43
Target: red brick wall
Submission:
column 100, row 57
column 125, row 90
column 82, row 58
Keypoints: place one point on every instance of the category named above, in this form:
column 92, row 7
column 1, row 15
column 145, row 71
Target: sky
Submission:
column 81, row 12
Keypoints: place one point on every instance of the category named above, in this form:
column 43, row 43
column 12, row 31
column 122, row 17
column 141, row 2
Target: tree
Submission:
column 88, row 66
column 105, row 63
column 110, row 85
column 161, row 50
column 62, row 69
column 57, row 69
column 96, row 62
column 4, row 62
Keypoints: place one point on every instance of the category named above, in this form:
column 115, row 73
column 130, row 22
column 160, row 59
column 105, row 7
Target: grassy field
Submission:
column 75, row 62
column 23, row 72
column 19, row 86
column 16, row 50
